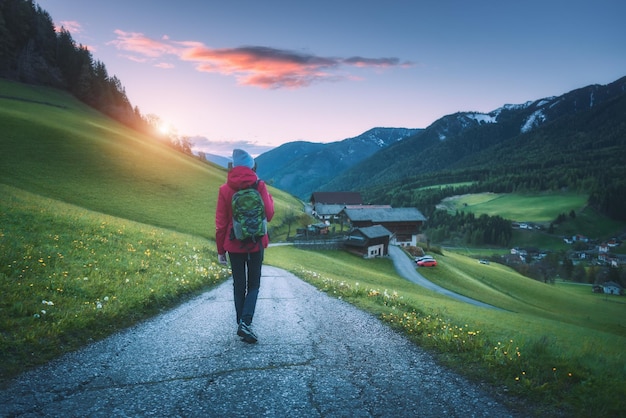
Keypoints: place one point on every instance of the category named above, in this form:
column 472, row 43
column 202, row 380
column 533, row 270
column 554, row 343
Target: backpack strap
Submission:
column 255, row 186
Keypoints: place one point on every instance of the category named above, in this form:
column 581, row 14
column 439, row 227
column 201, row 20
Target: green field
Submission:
column 540, row 209
column 56, row 147
column 537, row 208
column 554, row 345
column 87, row 204
column 101, row 227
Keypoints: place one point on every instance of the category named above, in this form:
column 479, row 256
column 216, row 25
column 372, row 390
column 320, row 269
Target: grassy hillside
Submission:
column 540, row 208
column 527, row 207
column 101, row 227
column 69, row 276
column 54, row 146
column 89, row 210
column 558, row 347
column 564, row 313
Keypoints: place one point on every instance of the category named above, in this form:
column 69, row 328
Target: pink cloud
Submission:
column 136, row 59
column 262, row 66
column 71, row 26
column 140, row 44
column 74, row 28
column 258, row 66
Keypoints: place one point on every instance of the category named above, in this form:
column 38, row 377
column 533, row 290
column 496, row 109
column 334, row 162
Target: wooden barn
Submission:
column 370, row 241
column 403, row 223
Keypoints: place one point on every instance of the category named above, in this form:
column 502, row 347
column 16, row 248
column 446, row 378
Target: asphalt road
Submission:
column 406, row 268
column 316, row 357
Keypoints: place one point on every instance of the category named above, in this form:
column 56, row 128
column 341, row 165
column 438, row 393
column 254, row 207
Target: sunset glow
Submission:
column 259, row 74
column 165, row 128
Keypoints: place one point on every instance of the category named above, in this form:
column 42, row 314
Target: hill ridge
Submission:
column 75, row 154
column 300, row 167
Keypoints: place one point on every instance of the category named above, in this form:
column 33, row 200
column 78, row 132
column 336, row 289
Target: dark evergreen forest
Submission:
column 33, row 52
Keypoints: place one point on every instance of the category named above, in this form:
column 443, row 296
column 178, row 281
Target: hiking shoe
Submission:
column 245, row 332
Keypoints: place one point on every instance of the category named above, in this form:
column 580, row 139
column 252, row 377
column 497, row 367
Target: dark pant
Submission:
column 246, row 269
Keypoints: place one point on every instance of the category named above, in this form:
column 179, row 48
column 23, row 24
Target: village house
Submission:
column 576, row 238
column 369, row 241
column 612, row 288
column 326, row 206
column 528, row 254
column 612, row 243
column 404, row 224
column 608, row 259
column 580, row 238
column 326, row 213
column 519, row 253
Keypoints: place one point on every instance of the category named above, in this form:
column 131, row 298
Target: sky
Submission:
column 256, row 74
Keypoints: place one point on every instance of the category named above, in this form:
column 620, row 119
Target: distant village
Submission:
column 368, row 230
column 598, row 252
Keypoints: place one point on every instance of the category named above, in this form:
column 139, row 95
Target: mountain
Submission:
column 302, row 167
column 552, row 129
column 216, row 159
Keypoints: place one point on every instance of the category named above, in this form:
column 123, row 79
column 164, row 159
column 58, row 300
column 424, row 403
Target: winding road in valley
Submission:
column 406, row 268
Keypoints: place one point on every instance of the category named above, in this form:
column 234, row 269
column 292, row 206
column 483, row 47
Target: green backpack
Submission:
column 249, row 220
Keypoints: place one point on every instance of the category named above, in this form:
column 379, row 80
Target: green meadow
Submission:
column 543, row 209
column 538, row 208
column 70, row 276
column 56, row 147
column 558, row 347
column 101, row 227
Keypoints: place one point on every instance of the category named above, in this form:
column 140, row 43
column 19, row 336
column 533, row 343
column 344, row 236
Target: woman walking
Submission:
column 246, row 258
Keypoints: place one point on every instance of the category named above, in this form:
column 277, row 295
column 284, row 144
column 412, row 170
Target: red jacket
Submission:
column 238, row 178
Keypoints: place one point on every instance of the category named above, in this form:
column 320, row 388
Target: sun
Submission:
column 164, row 128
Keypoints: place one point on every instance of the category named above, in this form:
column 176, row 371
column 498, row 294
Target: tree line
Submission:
column 32, row 51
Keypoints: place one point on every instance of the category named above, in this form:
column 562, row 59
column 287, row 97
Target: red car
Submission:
column 427, row 263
